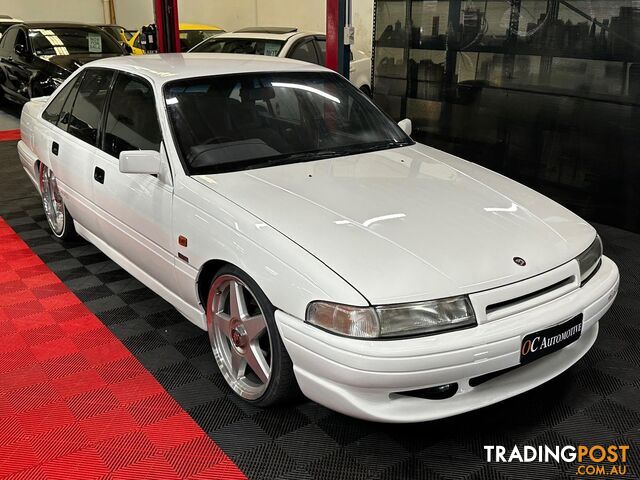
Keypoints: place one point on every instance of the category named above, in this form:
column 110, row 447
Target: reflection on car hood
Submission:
column 71, row 63
column 410, row 223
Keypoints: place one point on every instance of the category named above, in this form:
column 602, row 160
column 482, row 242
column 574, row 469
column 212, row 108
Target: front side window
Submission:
column 72, row 40
column 238, row 122
column 85, row 116
column 52, row 112
column 252, row 46
column 132, row 121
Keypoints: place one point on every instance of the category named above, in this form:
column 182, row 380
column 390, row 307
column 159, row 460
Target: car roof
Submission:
column 265, row 36
column 165, row 67
column 276, row 30
column 57, row 25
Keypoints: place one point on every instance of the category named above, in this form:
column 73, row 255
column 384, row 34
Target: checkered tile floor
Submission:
column 596, row 401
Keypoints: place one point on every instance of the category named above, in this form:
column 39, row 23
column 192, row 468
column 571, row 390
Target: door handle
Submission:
column 98, row 175
column 54, row 148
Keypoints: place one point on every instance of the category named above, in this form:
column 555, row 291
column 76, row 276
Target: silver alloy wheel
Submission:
column 51, row 200
column 239, row 336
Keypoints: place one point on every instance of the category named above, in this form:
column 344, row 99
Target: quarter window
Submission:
column 87, row 109
column 65, row 114
column 52, row 112
column 132, row 122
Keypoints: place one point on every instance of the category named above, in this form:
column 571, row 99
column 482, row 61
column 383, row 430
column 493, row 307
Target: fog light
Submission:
column 441, row 392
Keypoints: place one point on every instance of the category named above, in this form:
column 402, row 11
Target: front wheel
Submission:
column 245, row 340
column 58, row 217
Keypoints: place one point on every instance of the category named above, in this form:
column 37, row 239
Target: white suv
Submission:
column 287, row 42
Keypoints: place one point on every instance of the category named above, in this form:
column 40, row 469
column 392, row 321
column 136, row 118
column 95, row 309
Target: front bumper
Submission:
column 365, row 378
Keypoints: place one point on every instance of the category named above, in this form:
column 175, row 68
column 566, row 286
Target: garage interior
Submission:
column 101, row 378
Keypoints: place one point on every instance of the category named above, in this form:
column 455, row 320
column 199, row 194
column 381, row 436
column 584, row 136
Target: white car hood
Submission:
column 410, row 223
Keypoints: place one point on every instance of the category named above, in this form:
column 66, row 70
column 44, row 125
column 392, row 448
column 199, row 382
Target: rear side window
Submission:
column 87, row 108
column 52, row 112
column 305, row 52
column 322, row 48
column 132, row 121
column 9, row 39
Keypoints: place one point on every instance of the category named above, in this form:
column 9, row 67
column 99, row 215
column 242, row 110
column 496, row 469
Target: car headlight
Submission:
column 589, row 259
column 393, row 320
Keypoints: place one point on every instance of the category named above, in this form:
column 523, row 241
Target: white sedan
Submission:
column 275, row 206
column 286, row 42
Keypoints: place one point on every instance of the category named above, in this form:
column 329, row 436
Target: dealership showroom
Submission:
column 320, row 239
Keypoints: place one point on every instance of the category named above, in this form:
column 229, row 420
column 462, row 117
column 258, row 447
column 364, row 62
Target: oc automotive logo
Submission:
column 519, row 261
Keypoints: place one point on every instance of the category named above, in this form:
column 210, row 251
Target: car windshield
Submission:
column 270, row 48
column 237, row 122
column 73, row 40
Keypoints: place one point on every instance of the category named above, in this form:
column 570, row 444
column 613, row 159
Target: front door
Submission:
column 135, row 209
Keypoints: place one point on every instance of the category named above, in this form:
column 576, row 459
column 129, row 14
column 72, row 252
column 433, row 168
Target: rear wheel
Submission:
column 58, row 217
column 245, row 340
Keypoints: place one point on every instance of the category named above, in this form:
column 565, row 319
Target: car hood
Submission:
column 410, row 223
column 70, row 63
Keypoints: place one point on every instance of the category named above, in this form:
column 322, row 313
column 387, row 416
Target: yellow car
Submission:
column 191, row 34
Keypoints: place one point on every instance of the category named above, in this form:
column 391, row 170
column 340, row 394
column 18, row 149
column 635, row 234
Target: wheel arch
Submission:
column 205, row 276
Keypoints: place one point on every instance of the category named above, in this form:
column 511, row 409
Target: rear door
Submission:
column 135, row 209
column 73, row 143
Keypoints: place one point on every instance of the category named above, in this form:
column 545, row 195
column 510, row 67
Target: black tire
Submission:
column 282, row 386
column 68, row 231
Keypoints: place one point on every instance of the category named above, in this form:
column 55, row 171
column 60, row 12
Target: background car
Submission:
column 6, row 21
column 287, row 42
column 190, row 35
column 37, row 57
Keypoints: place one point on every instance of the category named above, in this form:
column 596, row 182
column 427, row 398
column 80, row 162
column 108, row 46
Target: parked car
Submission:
column 190, row 35
column 278, row 208
column 6, row 21
column 35, row 58
column 287, row 42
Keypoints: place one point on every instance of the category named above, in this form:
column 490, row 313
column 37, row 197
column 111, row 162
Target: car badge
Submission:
column 519, row 261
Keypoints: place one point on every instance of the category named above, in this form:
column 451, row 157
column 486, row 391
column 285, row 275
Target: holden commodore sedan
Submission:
column 322, row 248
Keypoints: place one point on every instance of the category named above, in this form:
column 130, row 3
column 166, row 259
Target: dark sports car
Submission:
column 37, row 57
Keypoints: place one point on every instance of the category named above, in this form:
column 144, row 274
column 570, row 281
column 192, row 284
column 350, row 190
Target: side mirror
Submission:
column 21, row 50
column 405, row 125
column 140, row 161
